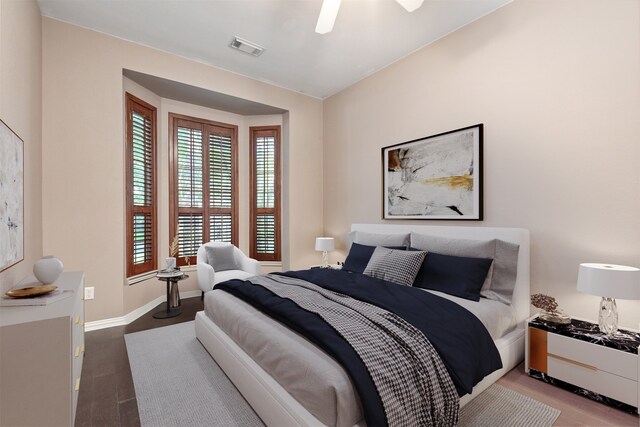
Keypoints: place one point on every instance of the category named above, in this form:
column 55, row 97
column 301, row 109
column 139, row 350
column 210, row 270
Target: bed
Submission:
column 227, row 320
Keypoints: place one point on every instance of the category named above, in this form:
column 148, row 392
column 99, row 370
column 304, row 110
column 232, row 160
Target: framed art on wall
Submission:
column 435, row 177
column 11, row 198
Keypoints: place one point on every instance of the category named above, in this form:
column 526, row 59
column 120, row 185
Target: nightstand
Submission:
column 578, row 358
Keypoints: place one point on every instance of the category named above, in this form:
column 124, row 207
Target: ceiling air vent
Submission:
column 246, row 46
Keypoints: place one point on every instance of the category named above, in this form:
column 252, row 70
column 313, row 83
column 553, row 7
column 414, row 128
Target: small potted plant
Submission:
column 173, row 250
column 549, row 309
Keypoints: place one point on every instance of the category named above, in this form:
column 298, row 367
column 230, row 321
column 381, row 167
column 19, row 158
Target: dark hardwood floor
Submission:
column 107, row 396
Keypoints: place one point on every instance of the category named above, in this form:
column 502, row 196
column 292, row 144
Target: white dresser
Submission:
column 41, row 353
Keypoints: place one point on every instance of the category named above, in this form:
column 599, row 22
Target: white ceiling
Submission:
column 368, row 34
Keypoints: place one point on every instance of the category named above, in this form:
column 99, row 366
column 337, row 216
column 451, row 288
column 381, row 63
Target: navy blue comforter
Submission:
column 463, row 343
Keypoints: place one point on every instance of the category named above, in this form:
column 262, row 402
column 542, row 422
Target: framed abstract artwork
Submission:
column 435, row 177
column 11, row 198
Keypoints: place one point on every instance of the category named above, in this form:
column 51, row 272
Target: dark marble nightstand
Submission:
column 579, row 358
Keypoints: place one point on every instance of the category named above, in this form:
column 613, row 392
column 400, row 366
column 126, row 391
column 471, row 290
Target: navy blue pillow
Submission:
column 458, row 276
column 359, row 256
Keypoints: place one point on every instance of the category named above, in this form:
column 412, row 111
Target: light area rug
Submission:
column 177, row 383
column 500, row 406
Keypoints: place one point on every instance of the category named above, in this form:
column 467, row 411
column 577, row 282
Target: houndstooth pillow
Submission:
column 394, row 265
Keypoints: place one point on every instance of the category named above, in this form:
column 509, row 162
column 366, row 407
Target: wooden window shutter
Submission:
column 203, row 184
column 221, row 185
column 265, row 193
column 141, row 222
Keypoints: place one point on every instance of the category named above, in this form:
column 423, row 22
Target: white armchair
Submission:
column 208, row 277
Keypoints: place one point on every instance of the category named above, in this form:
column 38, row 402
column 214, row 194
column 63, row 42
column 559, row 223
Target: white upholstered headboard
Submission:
column 520, row 236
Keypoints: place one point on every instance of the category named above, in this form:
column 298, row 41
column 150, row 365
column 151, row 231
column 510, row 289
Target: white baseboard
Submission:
column 138, row 312
column 104, row 323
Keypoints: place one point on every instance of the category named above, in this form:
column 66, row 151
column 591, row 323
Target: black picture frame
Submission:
column 12, row 208
column 438, row 177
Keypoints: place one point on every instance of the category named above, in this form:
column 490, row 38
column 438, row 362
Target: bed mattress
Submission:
column 307, row 372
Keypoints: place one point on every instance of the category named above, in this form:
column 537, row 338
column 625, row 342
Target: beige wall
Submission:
column 557, row 86
column 83, row 167
column 20, row 109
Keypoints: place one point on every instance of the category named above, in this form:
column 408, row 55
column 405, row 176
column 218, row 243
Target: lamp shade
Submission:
column 325, row 244
column 609, row 280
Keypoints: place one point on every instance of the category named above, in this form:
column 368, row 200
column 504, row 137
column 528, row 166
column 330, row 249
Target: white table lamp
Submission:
column 609, row 281
column 325, row 244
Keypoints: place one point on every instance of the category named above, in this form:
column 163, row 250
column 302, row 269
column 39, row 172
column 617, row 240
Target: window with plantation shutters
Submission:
column 265, row 193
column 202, row 185
column 141, row 239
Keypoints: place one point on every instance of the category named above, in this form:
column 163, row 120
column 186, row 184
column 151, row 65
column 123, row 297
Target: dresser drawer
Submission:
column 605, row 359
column 596, row 380
column 77, row 381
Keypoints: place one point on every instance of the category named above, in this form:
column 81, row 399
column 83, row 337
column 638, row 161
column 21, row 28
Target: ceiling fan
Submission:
column 329, row 11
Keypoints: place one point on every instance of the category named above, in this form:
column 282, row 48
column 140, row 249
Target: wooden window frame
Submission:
column 254, row 132
column 174, row 210
column 136, row 104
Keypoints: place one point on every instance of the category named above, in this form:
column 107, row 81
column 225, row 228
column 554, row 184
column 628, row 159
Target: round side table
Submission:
column 173, row 297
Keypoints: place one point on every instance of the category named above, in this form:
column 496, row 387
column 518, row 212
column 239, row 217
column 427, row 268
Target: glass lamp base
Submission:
column 325, row 259
column 557, row 317
column 608, row 318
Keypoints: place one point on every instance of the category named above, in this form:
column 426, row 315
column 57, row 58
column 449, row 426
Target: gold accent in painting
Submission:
column 457, row 181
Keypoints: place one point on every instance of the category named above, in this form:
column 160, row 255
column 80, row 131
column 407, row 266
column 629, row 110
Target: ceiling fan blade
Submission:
column 327, row 16
column 410, row 5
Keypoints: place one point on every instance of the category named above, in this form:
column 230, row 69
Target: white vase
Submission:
column 47, row 269
column 170, row 263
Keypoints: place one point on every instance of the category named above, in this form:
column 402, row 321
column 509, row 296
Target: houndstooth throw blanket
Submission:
column 413, row 383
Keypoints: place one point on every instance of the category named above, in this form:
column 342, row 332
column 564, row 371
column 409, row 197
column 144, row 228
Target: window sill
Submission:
column 141, row 277
column 271, row 263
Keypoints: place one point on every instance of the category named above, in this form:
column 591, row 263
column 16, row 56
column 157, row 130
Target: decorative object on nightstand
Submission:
column 174, row 245
column 549, row 309
column 325, row 244
column 581, row 359
column 174, row 248
column 609, row 281
column 170, row 263
column 47, row 269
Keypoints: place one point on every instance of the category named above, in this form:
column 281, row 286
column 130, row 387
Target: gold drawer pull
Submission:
column 77, row 351
column 82, row 349
column 573, row 362
column 77, row 320
column 77, row 387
